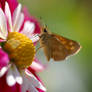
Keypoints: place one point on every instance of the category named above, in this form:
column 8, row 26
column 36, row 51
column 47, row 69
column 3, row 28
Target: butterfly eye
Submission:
column 45, row 30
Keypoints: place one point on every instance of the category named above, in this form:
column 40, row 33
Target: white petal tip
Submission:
column 28, row 29
column 6, row 4
column 3, row 71
column 30, row 26
column 36, row 66
column 19, row 80
column 10, row 80
column 42, row 87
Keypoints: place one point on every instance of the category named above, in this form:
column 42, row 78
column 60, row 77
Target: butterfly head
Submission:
column 45, row 33
column 44, row 30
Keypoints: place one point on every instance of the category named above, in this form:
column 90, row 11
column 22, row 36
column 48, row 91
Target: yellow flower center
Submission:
column 20, row 49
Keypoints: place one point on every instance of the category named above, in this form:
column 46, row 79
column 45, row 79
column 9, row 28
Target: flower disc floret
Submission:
column 20, row 49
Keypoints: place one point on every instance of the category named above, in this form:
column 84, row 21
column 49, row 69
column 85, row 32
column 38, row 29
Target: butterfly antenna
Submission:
column 45, row 25
column 42, row 23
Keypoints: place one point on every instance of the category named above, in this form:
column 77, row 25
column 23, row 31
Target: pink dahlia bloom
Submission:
column 12, row 19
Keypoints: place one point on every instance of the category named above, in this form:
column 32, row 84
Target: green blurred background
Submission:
column 72, row 19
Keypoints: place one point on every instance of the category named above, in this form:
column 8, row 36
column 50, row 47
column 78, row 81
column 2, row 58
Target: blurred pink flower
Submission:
column 13, row 19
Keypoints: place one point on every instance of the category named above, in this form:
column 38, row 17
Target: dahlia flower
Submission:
column 18, row 32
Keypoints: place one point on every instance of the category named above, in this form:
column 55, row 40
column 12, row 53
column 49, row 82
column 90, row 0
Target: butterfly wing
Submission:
column 53, row 48
column 58, row 51
column 47, row 52
column 58, row 47
column 69, row 46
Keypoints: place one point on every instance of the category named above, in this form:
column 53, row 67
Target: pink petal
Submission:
column 12, row 4
column 31, row 19
column 5, row 88
column 3, row 25
column 1, row 40
column 39, row 90
column 35, row 74
column 8, row 16
column 37, row 65
column 3, row 58
column 2, row 4
column 36, row 69
column 35, row 82
column 38, row 78
column 28, row 29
